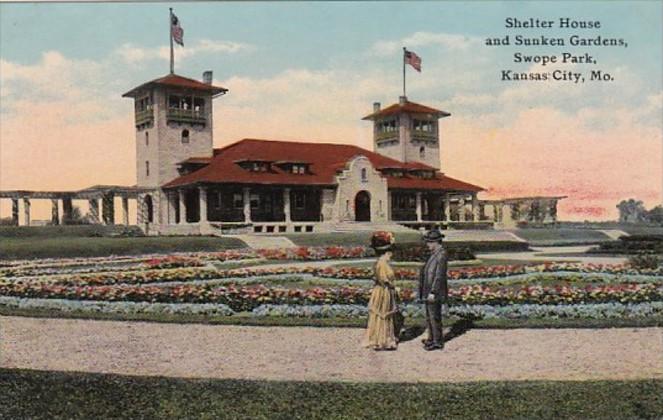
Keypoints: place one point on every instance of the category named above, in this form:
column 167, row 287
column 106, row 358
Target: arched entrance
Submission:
column 363, row 207
column 149, row 208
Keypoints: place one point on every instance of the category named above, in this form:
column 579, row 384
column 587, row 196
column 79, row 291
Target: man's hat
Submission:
column 433, row 236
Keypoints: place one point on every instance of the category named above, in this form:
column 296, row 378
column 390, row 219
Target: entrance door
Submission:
column 363, row 207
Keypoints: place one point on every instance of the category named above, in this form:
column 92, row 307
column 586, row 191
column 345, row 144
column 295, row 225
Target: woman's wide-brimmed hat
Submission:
column 382, row 240
column 433, row 236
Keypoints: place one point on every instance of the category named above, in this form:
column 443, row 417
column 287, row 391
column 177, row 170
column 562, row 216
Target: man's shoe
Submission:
column 427, row 341
column 434, row 346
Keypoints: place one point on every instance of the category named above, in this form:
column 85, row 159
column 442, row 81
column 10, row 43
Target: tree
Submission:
column 632, row 211
column 76, row 217
column 655, row 215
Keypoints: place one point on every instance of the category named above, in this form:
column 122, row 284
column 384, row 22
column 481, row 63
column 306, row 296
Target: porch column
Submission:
column 67, row 210
column 461, row 209
column 15, row 211
column 108, row 209
column 55, row 212
column 94, row 209
column 247, row 205
column 475, row 208
column 202, row 195
column 26, row 209
column 389, row 198
column 182, row 206
column 447, row 208
column 125, row 210
column 140, row 207
column 286, row 204
column 418, row 207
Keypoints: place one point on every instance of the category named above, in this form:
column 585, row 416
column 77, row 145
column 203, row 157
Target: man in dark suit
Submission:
column 433, row 289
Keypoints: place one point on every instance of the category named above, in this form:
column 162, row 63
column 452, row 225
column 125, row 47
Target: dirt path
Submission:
column 320, row 354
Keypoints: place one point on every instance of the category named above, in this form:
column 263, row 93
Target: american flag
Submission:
column 176, row 30
column 412, row 59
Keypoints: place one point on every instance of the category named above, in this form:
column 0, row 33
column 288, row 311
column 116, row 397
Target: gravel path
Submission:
column 321, row 354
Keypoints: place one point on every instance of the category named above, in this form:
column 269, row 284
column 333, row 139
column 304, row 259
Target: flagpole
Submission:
column 404, row 50
column 170, row 35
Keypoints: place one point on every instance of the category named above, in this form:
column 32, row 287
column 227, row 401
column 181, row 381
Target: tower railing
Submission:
column 192, row 116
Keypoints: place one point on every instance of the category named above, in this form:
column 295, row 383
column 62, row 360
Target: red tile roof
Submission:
column 177, row 81
column 408, row 106
column 325, row 159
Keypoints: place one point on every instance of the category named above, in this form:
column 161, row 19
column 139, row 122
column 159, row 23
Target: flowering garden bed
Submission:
column 182, row 282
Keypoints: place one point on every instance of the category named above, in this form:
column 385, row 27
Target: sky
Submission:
column 309, row 71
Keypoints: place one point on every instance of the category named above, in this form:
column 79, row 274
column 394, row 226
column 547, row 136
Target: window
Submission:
column 387, row 126
column 147, row 138
column 255, row 201
column 422, row 152
column 364, row 175
column 147, row 168
column 300, row 200
column 238, row 201
column 218, row 200
column 423, row 125
column 298, row 169
column 185, row 136
column 198, row 105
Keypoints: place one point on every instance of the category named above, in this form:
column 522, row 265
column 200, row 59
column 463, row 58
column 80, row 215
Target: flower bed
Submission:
column 248, row 297
column 522, row 311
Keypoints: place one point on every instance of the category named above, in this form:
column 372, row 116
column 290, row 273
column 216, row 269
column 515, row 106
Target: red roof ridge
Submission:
column 180, row 81
column 407, row 106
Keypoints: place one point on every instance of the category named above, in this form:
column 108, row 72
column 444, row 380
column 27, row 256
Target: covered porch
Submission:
column 255, row 208
column 425, row 208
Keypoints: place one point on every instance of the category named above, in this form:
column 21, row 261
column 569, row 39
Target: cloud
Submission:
column 425, row 39
column 133, row 54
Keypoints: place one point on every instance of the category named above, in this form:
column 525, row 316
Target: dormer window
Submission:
column 299, row 169
column 255, row 165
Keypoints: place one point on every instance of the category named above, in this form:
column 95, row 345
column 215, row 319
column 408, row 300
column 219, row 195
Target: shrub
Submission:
column 419, row 253
column 644, row 261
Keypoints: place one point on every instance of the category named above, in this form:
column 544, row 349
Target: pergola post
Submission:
column 26, row 209
column 140, row 205
column 286, row 204
column 182, row 204
column 125, row 210
column 419, row 218
column 15, row 211
column 67, row 210
column 247, row 205
column 108, row 209
column 202, row 195
column 94, row 209
column 55, row 212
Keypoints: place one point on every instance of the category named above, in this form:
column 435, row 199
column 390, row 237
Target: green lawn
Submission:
column 561, row 236
column 68, row 247
column 52, row 395
column 70, row 231
column 346, row 238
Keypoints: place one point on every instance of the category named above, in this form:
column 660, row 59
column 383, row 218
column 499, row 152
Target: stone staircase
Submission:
column 346, row 227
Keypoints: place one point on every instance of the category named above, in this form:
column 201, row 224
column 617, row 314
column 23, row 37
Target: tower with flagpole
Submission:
column 174, row 123
column 407, row 131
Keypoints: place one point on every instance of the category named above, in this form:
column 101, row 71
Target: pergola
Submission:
column 105, row 193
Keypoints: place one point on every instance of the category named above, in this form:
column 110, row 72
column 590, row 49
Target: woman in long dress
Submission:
column 381, row 334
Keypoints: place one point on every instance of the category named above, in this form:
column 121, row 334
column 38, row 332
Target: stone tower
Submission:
column 407, row 131
column 173, row 119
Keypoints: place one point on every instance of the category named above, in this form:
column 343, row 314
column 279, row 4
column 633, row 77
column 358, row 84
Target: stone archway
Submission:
column 363, row 207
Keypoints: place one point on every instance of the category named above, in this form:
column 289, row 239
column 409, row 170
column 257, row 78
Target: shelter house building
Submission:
column 186, row 186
